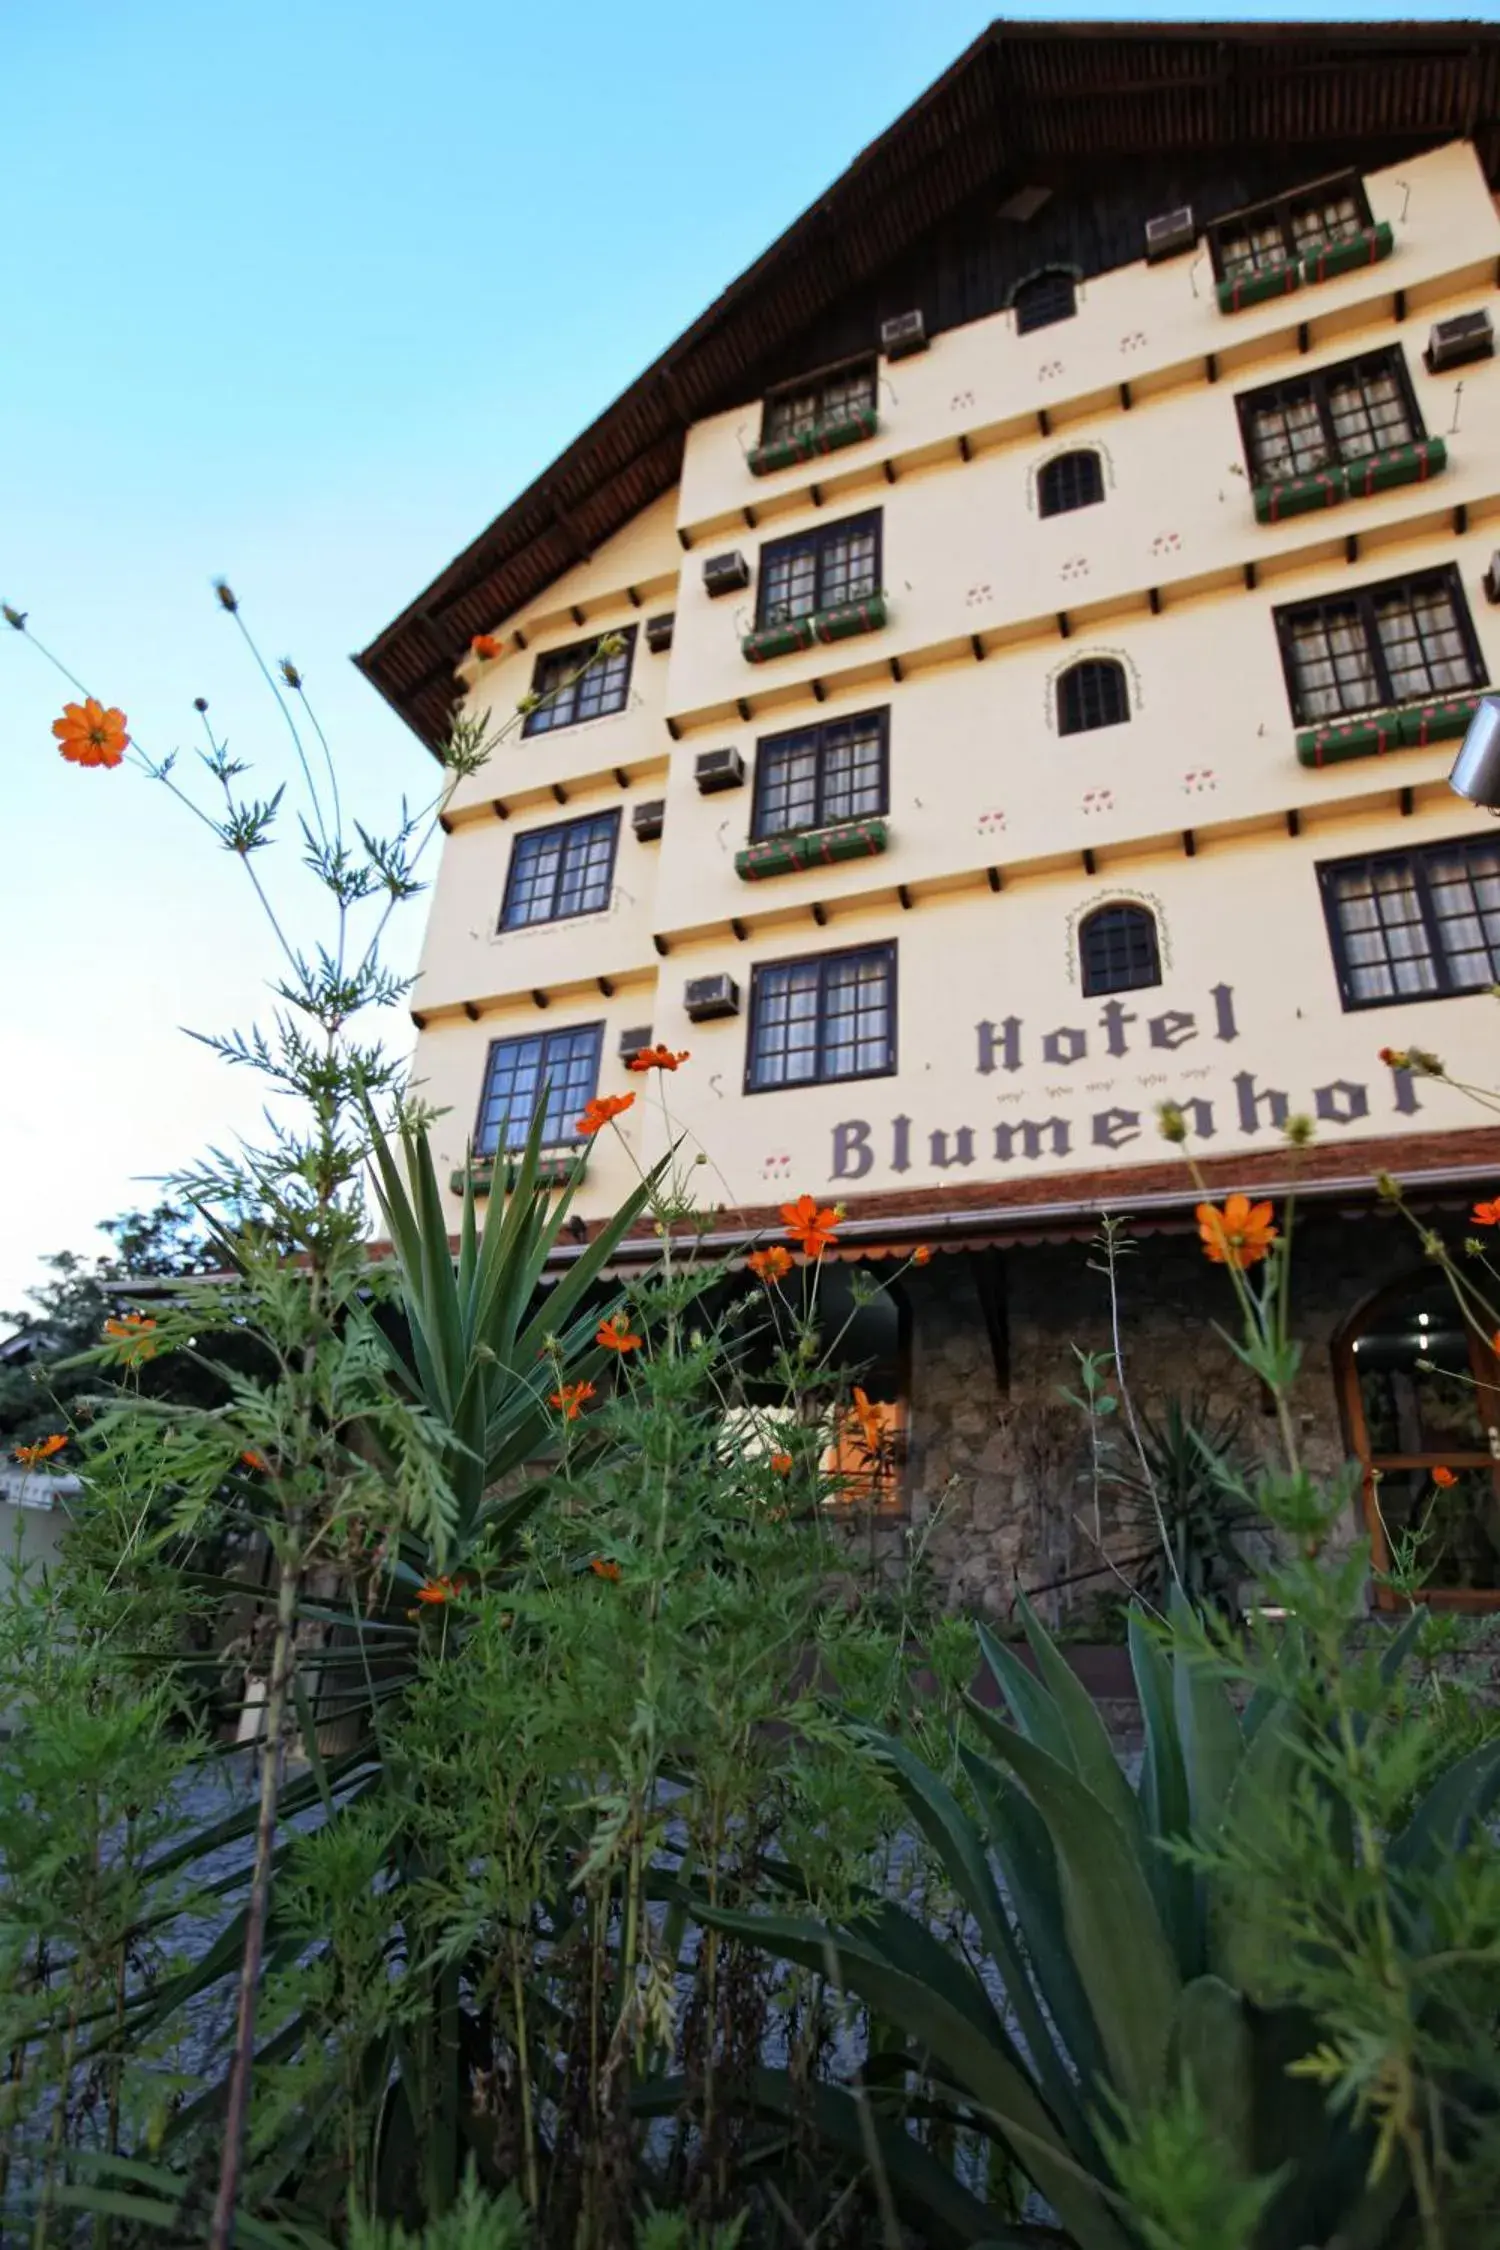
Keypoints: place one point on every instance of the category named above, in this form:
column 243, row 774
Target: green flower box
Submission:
column 1437, row 722
column 1254, row 288
column 813, row 847
column 562, row 1168
column 1298, row 496
column 767, row 641
column 849, row 618
column 1368, row 736
column 809, row 444
column 1366, row 248
column 1400, row 464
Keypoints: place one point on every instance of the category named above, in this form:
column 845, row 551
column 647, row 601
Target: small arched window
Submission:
column 1117, row 950
column 1092, row 695
column 1073, row 480
column 1046, row 297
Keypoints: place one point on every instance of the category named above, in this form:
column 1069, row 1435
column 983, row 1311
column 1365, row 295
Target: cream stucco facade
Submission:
column 1003, row 833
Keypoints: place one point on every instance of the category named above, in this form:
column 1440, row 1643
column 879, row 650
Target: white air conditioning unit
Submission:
column 906, row 334
column 1453, row 343
column 647, row 818
column 632, row 1042
column 718, row 769
column 725, row 574
column 1170, row 234
column 707, row 997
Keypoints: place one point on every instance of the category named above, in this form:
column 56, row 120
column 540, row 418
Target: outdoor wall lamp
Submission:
column 1476, row 769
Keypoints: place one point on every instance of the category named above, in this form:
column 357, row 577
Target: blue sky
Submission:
column 304, row 294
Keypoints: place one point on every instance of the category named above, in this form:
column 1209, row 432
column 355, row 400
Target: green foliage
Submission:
column 1172, row 1484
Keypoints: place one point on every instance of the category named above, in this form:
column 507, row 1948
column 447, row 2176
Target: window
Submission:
column 555, row 872
column 830, row 1017
column 566, row 1063
column 818, row 569
column 818, row 775
column 1092, row 695
column 1073, row 480
column 1273, row 234
column 1415, row 925
column 837, row 396
column 1341, row 413
column 1045, row 298
column 1399, row 642
column 570, row 694
column 1117, row 949
column 1418, row 1392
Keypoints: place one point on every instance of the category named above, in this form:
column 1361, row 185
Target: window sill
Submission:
column 1350, row 480
column 556, row 1168
column 1367, row 248
column 1373, row 733
column 841, row 623
column 808, row 444
column 812, row 847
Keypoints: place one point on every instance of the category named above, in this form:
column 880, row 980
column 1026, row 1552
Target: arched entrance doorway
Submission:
column 1419, row 1391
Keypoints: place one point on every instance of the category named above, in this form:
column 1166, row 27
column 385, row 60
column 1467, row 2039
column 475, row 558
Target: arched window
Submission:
column 1420, row 1391
column 1117, row 949
column 1073, row 480
column 1092, row 695
column 1046, row 297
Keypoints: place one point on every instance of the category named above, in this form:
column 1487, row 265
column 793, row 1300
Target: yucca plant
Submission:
column 1107, row 1977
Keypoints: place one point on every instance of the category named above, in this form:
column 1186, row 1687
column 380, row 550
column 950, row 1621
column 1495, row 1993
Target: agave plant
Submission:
column 1113, row 1982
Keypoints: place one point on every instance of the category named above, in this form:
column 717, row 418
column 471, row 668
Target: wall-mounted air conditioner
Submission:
column 659, row 632
column 905, row 334
column 647, row 817
column 718, row 769
column 726, row 574
column 1170, row 234
column 707, row 997
column 1453, row 343
column 632, row 1042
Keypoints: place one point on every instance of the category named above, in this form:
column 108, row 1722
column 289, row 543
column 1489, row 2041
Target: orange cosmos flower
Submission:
column 871, row 1428
column 772, row 1264
column 132, row 1330
column 811, row 1229
column 1486, row 1214
column 253, row 1460
column 922, row 1255
column 1444, row 1477
column 485, row 647
column 614, row 1334
column 603, row 1569
column 658, row 1058
column 433, row 1592
column 89, row 735
column 782, row 1464
column 570, row 1399
column 30, row 1455
column 1239, row 1235
column 599, row 1110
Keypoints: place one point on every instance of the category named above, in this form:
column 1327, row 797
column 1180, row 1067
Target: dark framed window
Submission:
column 1399, row 642
column 839, row 562
column 559, row 871
column 1273, row 233
column 574, row 688
column 828, row 1017
column 817, row 775
column 1072, row 480
column 1045, row 298
column 837, row 395
column 1117, row 949
column 566, row 1063
column 1417, row 925
column 1092, row 694
column 1342, row 413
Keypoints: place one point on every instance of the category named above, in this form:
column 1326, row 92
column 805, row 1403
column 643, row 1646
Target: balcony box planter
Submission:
column 808, row 444
column 1437, row 722
column 767, row 641
column 1299, row 496
column 1255, row 288
column 1366, row 248
column 556, row 1168
column 849, row 618
column 1400, row 464
column 1368, row 736
column 813, row 847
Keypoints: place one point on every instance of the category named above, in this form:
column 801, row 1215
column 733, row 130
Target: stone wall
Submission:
column 998, row 1486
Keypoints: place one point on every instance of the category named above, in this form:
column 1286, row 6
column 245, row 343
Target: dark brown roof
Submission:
column 1026, row 103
